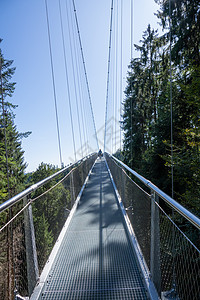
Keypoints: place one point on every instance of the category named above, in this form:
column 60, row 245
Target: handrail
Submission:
column 178, row 207
column 10, row 202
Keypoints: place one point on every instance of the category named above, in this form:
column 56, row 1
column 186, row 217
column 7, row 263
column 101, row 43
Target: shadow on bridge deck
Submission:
column 95, row 259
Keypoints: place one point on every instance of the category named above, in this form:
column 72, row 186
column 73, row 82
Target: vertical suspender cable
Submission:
column 171, row 99
column 53, row 81
column 11, row 267
column 121, row 67
column 75, row 84
column 132, row 29
column 83, row 118
column 80, row 90
column 172, row 162
column 4, row 125
column 108, row 74
column 67, row 79
column 81, row 98
column 112, row 79
column 131, row 100
column 116, row 70
column 87, row 83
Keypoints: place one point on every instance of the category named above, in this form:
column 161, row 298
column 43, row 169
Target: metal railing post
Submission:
column 72, row 189
column 155, row 243
column 31, row 253
column 123, row 180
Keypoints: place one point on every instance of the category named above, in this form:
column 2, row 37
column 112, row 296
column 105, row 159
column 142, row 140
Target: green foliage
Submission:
column 185, row 21
column 12, row 163
column 49, row 210
column 12, row 169
column 118, row 154
column 44, row 237
column 146, row 119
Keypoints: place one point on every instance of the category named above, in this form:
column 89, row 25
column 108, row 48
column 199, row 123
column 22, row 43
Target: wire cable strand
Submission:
column 172, row 159
column 132, row 7
column 67, row 81
column 116, row 74
column 11, row 265
column 108, row 74
column 4, row 126
column 73, row 58
column 131, row 104
column 32, row 200
column 171, row 99
column 121, row 76
column 53, row 82
column 86, row 77
column 79, row 81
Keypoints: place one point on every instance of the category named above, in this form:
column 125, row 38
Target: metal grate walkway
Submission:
column 96, row 259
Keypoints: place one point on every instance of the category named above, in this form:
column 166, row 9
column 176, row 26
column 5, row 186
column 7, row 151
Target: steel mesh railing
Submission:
column 168, row 241
column 179, row 260
column 31, row 226
column 137, row 204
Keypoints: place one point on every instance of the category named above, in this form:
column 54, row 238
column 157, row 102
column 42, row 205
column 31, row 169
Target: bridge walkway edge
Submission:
column 95, row 258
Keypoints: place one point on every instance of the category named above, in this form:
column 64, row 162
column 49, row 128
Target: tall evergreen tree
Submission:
column 12, row 165
column 146, row 119
column 185, row 39
column 185, row 29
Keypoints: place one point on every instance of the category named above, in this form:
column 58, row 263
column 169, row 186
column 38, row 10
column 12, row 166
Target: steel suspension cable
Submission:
column 132, row 28
column 86, row 77
column 172, row 160
column 83, row 110
column 82, row 106
column 171, row 100
column 86, row 129
column 116, row 75
column 4, row 126
column 112, row 88
column 108, row 74
column 67, row 80
column 83, row 117
column 121, row 68
column 131, row 100
column 80, row 90
column 74, row 79
column 53, row 81
column 11, row 265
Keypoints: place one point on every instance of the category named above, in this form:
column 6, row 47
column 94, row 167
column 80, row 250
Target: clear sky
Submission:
column 23, row 28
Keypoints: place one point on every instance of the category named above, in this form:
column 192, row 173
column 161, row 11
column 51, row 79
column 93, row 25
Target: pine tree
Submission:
column 146, row 119
column 185, row 30
column 185, row 39
column 12, row 168
column 12, row 165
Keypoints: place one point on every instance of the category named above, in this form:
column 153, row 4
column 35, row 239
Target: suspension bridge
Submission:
column 96, row 229
column 113, row 240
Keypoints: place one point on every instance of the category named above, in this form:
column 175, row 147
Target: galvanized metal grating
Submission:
column 96, row 259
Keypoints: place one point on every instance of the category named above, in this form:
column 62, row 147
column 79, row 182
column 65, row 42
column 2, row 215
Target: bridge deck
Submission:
column 96, row 259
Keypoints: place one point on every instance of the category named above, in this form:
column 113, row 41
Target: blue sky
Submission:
column 23, row 28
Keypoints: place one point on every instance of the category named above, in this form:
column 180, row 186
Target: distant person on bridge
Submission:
column 100, row 154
